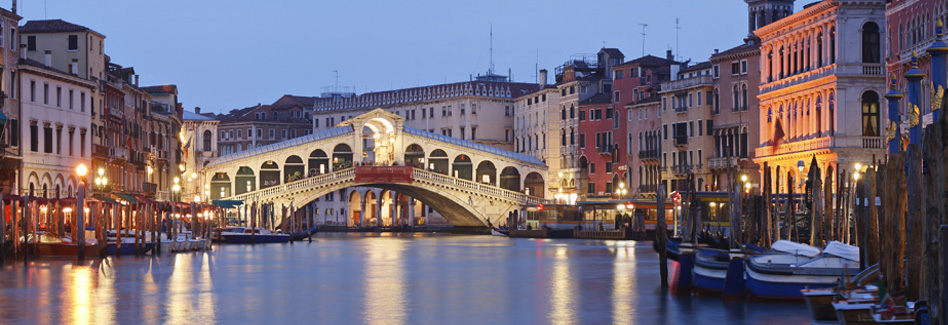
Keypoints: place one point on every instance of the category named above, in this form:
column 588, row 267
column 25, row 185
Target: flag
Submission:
column 778, row 134
column 186, row 147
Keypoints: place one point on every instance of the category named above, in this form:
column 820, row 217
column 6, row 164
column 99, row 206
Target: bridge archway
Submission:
column 269, row 174
column 220, row 186
column 354, row 209
column 462, row 167
column 293, row 169
column 510, row 179
column 245, row 180
column 486, row 173
column 415, row 156
column 370, row 213
column 318, row 162
column 533, row 184
column 341, row 156
column 438, row 161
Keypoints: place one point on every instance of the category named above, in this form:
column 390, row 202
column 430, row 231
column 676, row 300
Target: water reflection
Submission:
column 371, row 278
column 384, row 283
column 561, row 297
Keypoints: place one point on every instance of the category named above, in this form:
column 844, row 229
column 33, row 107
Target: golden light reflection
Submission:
column 623, row 288
column 385, row 290
column 178, row 290
column 561, row 297
column 80, row 286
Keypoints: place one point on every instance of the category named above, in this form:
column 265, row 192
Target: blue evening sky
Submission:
column 233, row 54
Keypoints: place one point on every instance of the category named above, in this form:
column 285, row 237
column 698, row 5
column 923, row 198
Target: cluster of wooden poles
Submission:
column 24, row 219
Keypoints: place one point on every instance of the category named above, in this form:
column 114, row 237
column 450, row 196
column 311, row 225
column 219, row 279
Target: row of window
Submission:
column 49, row 145
column 70, row 96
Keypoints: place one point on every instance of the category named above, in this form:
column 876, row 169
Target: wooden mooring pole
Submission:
column 660, row 235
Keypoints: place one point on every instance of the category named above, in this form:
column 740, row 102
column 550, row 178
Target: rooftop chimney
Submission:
column 197, row 110
column 23, row 51
column 542, row 78
column 668, row 55
column 715, row 51
column 49, row 58
column 136, row 80
column 13, row 8
column 74, row 68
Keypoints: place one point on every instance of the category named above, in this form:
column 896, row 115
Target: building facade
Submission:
column 822, row 79
column 687, row 139
column 910, row 28
column 200, row 137
column 10, row 109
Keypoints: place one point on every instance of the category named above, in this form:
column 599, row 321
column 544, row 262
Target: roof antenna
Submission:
column 490, row 70
column 643, row 37
column 677, row 28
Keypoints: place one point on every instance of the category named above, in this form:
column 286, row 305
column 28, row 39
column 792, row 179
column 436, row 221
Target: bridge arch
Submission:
column 415, row 156
column 462, row 167
column 486, row 173
column 533, row 184
column 220, row 186
column 318, row 163
column 370, row 213
column 293, row 169
column 354, row 209
column 510, row 179
column 269, row 174
column 438, row 161
column 341, row 156
column 245, row 180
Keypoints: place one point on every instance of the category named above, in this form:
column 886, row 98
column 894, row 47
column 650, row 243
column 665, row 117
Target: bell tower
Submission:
column 760, row 13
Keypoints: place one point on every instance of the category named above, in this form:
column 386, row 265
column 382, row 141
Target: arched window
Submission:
column 819, row 50
column 832, row 115
column 744, row 97
column 207, row 140
column 833, row 45
column 819, row 117
column 572, row 111
column 736, row 103
column 870, row 114
column 870, row 43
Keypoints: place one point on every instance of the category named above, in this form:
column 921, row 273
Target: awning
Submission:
column 104, row 198
column 129, row 198
column 144, row 200
column 228, row 204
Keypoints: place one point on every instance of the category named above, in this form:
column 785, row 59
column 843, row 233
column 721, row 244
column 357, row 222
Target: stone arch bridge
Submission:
column 467, row 182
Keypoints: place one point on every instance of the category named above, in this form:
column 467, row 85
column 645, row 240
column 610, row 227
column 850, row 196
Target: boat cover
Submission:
column 838, row 249
column 789, row 247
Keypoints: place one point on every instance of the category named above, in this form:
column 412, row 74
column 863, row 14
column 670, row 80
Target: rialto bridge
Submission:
column 468, row 183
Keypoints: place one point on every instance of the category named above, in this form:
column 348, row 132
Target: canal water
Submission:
column 373, row 278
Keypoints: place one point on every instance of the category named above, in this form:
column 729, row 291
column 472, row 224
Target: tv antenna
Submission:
column 490, row 69
column 643, row 37
column 677, row 28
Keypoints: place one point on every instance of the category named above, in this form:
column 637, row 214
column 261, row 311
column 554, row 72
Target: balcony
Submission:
column 100, row 151
column 686, row 83
column 823, row 143
column 150, row 188
column 116, row 152
column 648, row 154
column 721, row 162
column 647, row 189
column 607, row 150
column 681, row 141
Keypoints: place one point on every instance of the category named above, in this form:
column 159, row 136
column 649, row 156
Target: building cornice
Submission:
column 58, row 76
column 793, row 19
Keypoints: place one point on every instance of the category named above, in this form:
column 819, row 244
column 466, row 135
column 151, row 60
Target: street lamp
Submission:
column 81, row 170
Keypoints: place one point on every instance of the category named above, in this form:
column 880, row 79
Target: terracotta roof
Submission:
column 649, row 60
column 613, row 52
column 698, row 66
column 161, row 89
column 53, row 26
column 288, row 101
column 599, row 98
column 743, row 48
column 407, row 95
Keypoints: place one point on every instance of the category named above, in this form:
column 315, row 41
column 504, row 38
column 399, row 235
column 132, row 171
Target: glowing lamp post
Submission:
column 81, row 171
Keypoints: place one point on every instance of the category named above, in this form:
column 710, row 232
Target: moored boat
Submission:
column 56, row 247
column 253, row 235
column 300, row 235
column 790, row 267
column 710, row 269
column 499, row 231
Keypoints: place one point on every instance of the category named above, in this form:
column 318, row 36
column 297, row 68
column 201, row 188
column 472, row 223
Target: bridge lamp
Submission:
column 800, row 165
column 177, row 180
column 856, row 176
column 101, row 171
column 744, row 178
column 747, row 188
column 858, row 167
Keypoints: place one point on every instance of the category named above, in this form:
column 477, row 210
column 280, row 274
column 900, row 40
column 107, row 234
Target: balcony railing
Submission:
column 681, row 141
column 721, row 162
column 822, row 143
column 150, row 188
column 648, row 154
column 118, row 152
column 685, row 83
